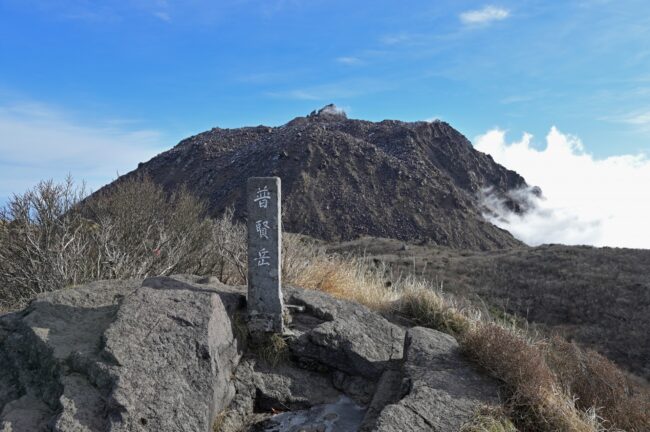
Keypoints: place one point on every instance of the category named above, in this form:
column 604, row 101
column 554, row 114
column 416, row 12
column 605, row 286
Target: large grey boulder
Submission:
column 445, row 389
column 119, row 356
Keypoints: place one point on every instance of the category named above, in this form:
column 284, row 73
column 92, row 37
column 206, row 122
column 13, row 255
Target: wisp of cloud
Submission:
column 600, row 202
column 40, row 142
column 484, row 16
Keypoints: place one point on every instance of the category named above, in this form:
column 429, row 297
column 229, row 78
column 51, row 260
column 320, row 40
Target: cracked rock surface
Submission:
column 445, row 389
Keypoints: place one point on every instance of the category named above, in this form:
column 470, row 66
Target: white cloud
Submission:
column 394, row 39
column 38, row 142
column 637, row 118
column 161, row 10
column 350, row 61
column 600, row 202
column 485, row 15
column 297, row 94
column 163, row 16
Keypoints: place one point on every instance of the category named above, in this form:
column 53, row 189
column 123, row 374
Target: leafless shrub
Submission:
column 43, row 242
column 226, row 251
column 52, row 237
column 143, row 231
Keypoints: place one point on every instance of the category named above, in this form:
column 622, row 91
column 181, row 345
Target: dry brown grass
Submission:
column 489, row 419
column 340, row 277
column 273, row 350
column 219, row 421
column 596, row 382
column 537, row 402
column 429, row 307
column 306, row 264
column 593, row 288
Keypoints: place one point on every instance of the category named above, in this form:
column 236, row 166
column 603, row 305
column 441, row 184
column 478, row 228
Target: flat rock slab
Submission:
column 344, row 336
column 129, row 356
column 445, row 389
column 263, row 389
column 284, row 387
column 344, row 415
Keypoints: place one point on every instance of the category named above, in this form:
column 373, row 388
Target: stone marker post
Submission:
column 264, row 255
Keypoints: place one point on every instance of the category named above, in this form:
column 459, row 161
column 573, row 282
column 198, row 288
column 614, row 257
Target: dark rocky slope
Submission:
column 344, row 178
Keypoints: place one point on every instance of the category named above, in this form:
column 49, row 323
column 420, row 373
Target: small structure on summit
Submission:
column 329, row 110
column 263, row 197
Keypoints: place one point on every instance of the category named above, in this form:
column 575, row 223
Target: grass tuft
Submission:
column 429, row 308
column 219, row 421
column 489, row 419
column 350, row 279
column 273, row 350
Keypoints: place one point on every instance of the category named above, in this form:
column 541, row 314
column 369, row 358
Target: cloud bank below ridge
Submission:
column 599, row 202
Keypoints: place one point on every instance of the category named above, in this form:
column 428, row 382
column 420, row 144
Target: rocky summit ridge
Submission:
column 173, row 354
column 345, row 178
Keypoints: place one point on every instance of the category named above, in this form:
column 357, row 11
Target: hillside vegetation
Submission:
column 50, row 238
column 599, row 297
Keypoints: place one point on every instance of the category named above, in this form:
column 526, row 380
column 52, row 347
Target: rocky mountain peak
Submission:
column 345, row 178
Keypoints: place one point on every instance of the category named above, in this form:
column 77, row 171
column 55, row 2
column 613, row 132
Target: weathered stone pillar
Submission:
column 264, row 255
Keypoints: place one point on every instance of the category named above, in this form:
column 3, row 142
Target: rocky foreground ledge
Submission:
column 171, row 354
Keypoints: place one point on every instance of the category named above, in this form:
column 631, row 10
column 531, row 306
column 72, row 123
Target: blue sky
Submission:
column 93, row 87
